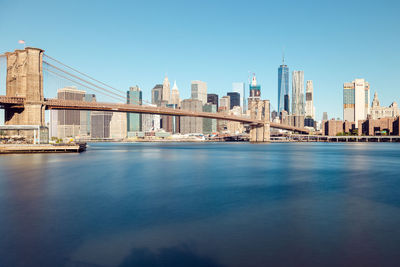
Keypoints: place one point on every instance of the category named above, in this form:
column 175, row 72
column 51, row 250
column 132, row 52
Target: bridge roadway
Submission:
column 114, row 107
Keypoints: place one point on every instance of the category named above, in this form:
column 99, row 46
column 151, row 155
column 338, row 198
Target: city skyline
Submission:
column 322, row 59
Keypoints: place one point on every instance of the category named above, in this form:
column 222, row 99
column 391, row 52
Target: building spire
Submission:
column 175, row 87
column 254, row 80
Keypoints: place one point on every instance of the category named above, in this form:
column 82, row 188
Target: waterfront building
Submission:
column 171, row 124
column 368, row 127
column 378, row 112
column 156, row 94
column 255, row 90
column 118, row 125
column 209, row 125
column 298, row 93
column 191, row 124
column 165, row 120
column 100, row 124
column 175, row 98
column 134, row 120
column 239, row 87
column 166, row 96
column 310, row 109
column 69, row 121
column 283, row 87
column 234, row 99
column 356, row 99
column 151, row 122
column 85, row 117
column 213, row 99
column 199, row 91
column 53, row 127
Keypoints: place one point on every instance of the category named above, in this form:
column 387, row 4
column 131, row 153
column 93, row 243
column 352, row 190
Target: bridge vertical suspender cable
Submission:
column 91, row 78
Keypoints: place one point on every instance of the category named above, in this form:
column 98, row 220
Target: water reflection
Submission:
column 202, row 205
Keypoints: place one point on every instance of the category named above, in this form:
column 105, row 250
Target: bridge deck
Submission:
column 116, row 107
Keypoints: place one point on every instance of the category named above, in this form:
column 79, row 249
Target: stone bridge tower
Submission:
column 25, row 79
column 260, row 110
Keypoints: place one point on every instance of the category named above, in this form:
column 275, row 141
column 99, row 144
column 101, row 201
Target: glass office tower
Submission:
column 283, row 87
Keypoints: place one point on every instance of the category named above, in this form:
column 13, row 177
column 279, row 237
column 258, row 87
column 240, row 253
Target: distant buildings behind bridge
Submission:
column 114, row 125
column 295, row 108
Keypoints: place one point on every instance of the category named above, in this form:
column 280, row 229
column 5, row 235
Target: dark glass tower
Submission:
column 235, row 99
column 213, row 99
column 283, row 87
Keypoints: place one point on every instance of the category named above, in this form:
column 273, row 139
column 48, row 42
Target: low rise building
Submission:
column 378, row 112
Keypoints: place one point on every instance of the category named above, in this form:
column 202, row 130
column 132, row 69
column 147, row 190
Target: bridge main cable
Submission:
column 65, row 65
column 83, row 80
column 84, row 85
column 109, row 86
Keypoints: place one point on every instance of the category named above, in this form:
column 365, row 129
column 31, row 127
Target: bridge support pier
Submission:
column 260, row 110
column 25, row 79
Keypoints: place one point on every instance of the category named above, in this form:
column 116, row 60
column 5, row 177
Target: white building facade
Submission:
column 199, row 91
column 356, row 99
column 298, row 93
column 310, row 109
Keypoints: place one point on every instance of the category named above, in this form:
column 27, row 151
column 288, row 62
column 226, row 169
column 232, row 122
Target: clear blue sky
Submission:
column 125, row 43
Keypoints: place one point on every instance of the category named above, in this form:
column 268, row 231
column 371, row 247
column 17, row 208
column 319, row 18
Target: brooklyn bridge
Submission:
column 25, row 103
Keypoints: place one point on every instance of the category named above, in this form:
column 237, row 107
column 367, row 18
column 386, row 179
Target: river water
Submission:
column 205, row 204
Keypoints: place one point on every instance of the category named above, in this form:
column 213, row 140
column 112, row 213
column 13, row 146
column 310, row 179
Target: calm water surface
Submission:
column 202, row 205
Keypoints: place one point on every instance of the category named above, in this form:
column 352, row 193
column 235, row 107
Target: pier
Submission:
column 336, row 139
column 42, row 148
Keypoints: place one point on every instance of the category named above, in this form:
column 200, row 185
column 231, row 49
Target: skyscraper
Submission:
column 100, row 124
column 191, row 124
column 213, row 99
column 166, row 90
column 134, row 120
column 283, row 87
column 234, row 99
column 69, row 121
column 239, row 88
column 156, row 94
column 175, row 99
column 356, row 98
column 85, row 117
column 118, row 125
column 255, row 90
column 150, row 122
column 310, row 109
column 209, row 125
column 298, row 93
column 199, row 91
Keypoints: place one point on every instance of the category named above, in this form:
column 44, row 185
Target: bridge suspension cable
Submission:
column 65, row 65
column 69, row 79
column 123, row 96
column 83, row 80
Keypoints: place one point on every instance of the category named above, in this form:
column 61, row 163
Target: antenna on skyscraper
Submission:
column 283, row 56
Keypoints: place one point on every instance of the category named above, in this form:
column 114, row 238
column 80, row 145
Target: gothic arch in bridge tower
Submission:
column 25, row 79
column 260, row 110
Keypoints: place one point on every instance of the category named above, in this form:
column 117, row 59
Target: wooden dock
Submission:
column 42, row 148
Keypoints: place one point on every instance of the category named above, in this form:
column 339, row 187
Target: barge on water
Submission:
column 42, row 148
